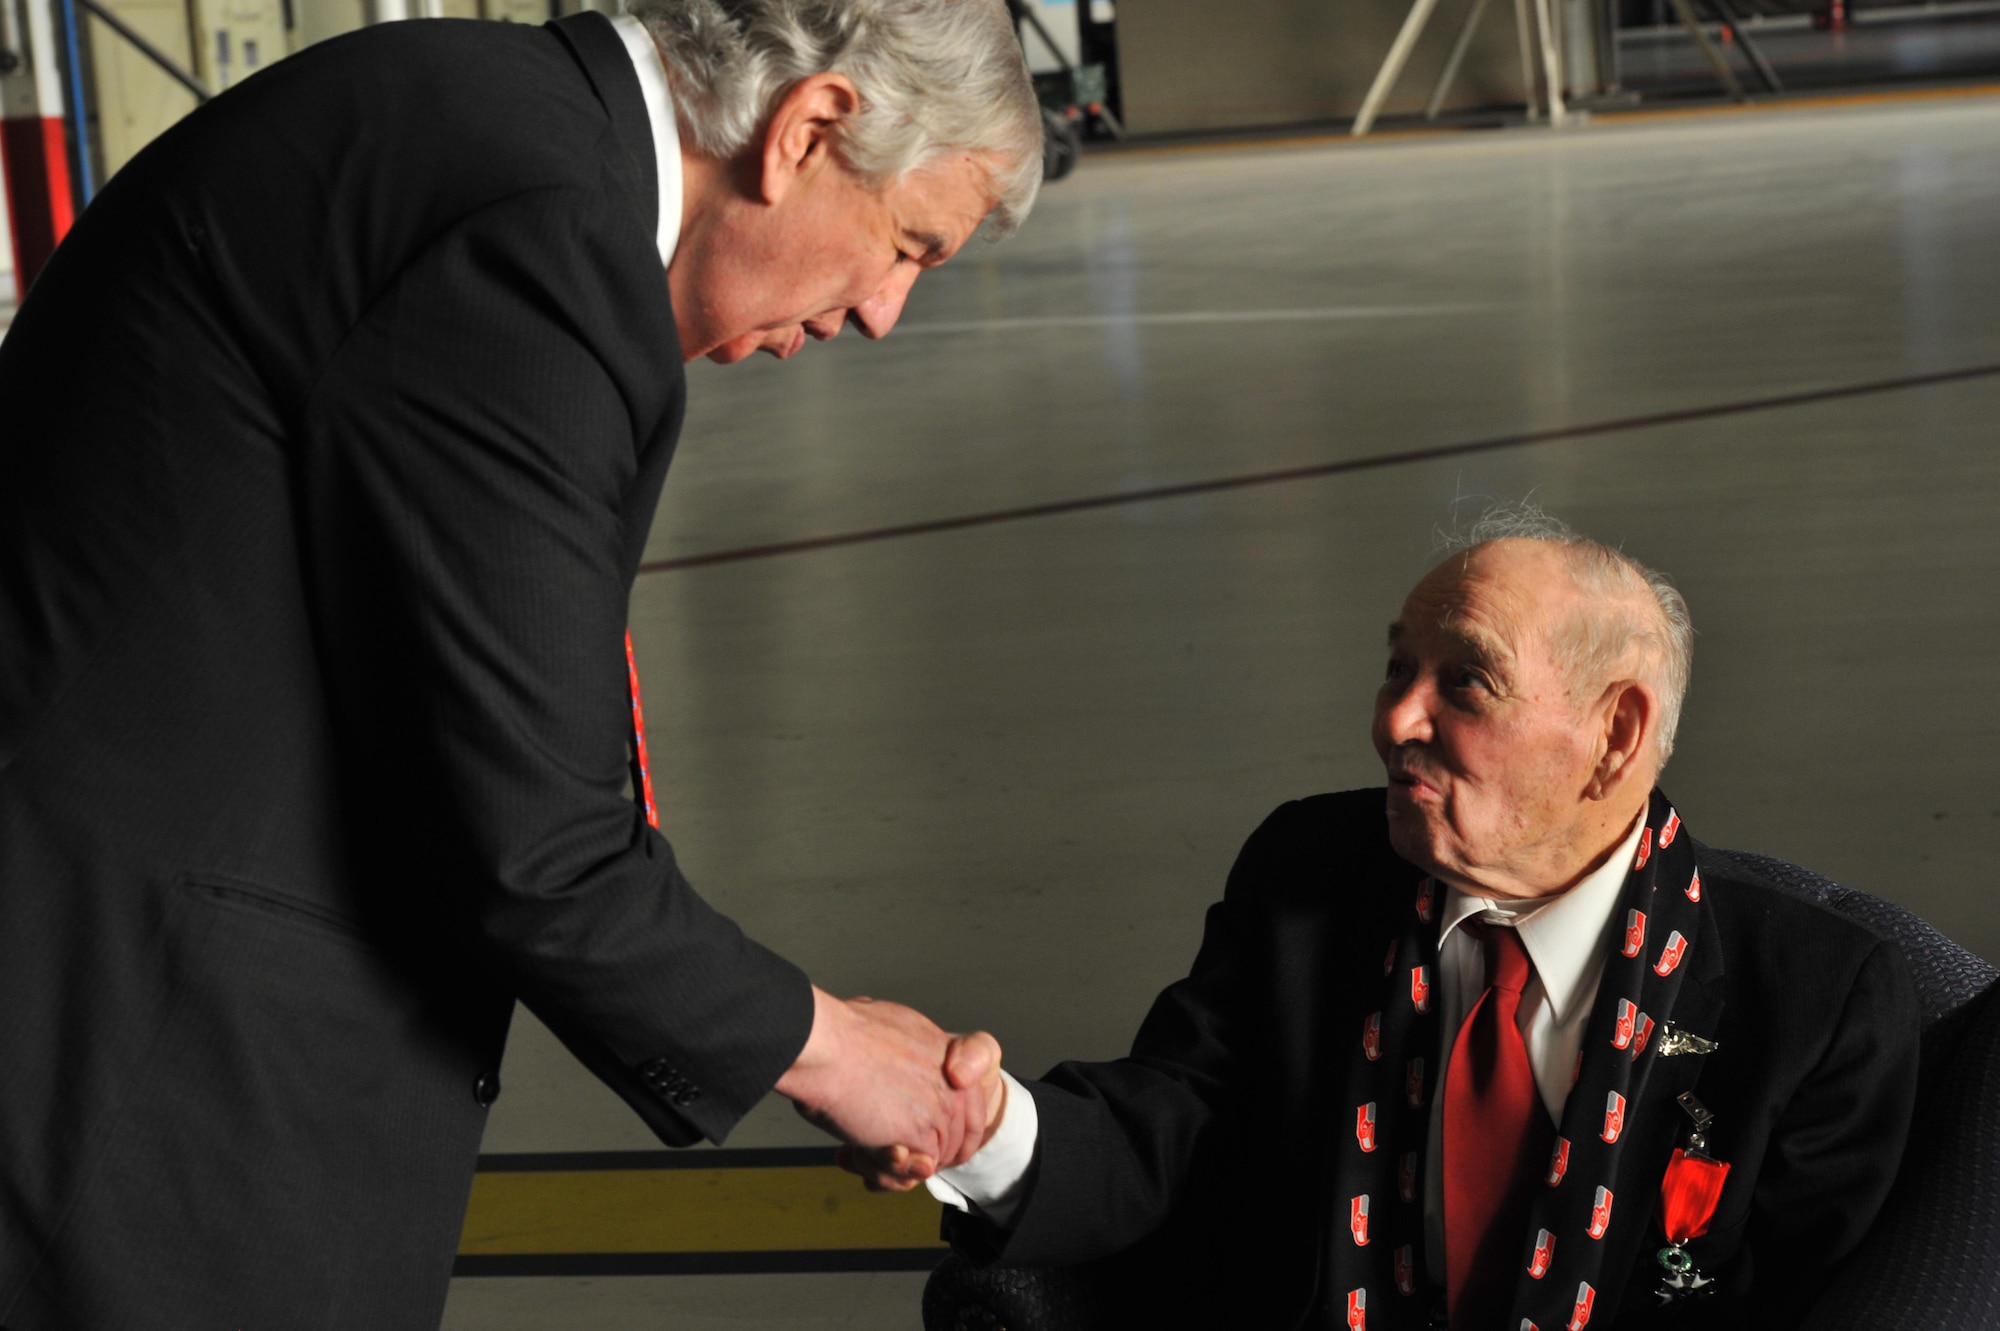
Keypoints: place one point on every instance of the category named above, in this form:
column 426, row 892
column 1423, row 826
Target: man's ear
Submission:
column 799, row 137
column 1631, row 713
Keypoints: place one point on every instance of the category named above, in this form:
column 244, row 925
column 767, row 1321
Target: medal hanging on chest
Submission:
column 1689, row 1195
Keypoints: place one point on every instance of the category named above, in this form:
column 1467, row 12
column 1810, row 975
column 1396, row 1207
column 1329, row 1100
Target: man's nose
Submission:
column 1403, row 714
column 879, row 313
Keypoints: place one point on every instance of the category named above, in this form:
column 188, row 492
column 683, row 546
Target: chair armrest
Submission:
column 962, row 1297
column 1929, row 1260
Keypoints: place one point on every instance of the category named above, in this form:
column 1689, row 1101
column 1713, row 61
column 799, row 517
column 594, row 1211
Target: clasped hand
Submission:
column 905, row 1098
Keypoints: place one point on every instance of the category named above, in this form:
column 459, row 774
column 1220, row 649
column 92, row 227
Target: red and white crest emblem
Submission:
column 1670, row 829
column 1357, row 1310
column 1694, row 887
column 1371, row 1036
column 1645, row 850
column 1413, row 1083
column 1427, row 900
column 1635, row 932
column 1527, row 1325
column 1621, row 1034
column 1640, row 1034
column 1559, row 1161
column 1586, row 1299
column 1671, row 954
column 1600, row 1213
column 1406, row 1176
column 1364, row 1126
column 1406, row 1269
column 1389, row 961
column 1545, row 1253
column 1614, row 1116
column 1420, row 987
column 1357, row 1219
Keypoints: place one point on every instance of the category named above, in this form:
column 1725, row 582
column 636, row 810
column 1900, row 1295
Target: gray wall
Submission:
column 1197, row 64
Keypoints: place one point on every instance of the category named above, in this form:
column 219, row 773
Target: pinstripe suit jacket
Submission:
column 332, row 437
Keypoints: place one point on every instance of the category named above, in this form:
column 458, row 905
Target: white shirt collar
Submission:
column 666, row 129
column 1564, row 934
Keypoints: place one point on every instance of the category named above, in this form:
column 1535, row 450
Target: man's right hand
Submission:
column 907, row 1098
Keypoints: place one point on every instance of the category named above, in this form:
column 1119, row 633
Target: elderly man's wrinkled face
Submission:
column 1488, row 752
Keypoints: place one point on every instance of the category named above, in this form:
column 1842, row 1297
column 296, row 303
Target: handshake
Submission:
column 905, row 1098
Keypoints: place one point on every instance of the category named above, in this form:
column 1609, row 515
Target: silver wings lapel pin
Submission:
column 1674, row 1041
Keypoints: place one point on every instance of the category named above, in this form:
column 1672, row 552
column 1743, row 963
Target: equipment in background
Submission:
column 239, row 37
column 1544, row 37
column 1538, row 15
column 1074, row 97
column 1731, row 29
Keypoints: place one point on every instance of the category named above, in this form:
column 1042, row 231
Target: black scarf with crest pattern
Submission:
column 1377, row 1258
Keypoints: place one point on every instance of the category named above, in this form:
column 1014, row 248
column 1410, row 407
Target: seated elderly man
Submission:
column 1485, row 1050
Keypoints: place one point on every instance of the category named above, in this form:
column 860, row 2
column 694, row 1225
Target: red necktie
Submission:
column 1497, row 1136
column 642, row 771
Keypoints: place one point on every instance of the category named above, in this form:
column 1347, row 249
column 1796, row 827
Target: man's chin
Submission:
column 781, row 343
column 731, row 352
column 1412, row 835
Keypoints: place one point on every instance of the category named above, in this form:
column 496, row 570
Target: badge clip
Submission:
column 1697, row 1147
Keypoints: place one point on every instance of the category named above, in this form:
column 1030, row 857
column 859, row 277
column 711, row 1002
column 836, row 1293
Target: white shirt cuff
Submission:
column 991, row 1180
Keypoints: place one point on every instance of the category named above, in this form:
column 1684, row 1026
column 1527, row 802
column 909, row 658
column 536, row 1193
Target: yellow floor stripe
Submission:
column 803, row 1208
column 1828, row 101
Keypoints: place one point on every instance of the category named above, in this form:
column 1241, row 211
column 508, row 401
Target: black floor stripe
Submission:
column 1375, row 462
column 701, row 1263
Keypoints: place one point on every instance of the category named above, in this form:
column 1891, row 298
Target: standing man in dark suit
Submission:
column 332, row 436
column 1497, row 1049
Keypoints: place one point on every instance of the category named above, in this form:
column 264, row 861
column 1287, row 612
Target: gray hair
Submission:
column 1592, row 647
column 935, row 77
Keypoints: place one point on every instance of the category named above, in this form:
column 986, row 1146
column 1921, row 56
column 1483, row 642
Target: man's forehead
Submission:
column 1453, row 629
column 1488, row 602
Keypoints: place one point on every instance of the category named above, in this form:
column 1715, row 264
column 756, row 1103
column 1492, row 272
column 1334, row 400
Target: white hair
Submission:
column 935, row 77
column 1617, row 585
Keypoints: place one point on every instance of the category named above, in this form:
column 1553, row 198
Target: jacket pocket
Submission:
column 281, row 908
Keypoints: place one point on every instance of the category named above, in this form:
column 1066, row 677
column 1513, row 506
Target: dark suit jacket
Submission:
column 331, row 439
column 1201, row 1162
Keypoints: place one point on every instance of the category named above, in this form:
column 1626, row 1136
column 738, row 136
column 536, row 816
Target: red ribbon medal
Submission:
column 1689, row 1195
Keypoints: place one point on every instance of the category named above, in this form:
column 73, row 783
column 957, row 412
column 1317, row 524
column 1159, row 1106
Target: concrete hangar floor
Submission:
column 999, row 769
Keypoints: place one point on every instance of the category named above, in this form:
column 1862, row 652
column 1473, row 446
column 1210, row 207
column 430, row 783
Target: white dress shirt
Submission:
column 666, row 128
column 1566, row 939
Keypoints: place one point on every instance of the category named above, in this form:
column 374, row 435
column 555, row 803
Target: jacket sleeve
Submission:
column 469, row 464
column 1118, row 1140
column 1837, row 1145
